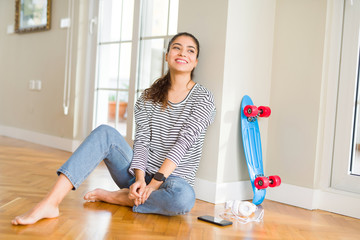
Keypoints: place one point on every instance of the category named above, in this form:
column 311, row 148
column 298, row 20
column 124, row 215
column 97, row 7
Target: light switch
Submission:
column 65, row 23
column 38, row 85
column 31, row 84
column 10, row 29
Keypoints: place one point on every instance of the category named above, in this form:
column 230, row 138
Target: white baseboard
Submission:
column 292, row 195
column 39, row 138
column 205, row 190
column 233, row 191
column 340, row 202
column 222, row 192
column 330, row 200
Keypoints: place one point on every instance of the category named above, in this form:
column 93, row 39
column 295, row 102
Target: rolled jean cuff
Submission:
column 68, row 176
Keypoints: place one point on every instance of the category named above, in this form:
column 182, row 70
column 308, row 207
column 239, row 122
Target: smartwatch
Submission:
column 159, row 177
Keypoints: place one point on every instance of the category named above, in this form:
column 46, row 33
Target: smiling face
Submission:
column 182, row 55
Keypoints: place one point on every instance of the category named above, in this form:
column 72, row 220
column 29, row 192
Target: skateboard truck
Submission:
column 262, row 182
column 252, row 112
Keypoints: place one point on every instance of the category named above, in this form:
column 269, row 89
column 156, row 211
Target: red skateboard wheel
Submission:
column 251, row 111
column 264, row 111
column 274, row 181
column 261, row 182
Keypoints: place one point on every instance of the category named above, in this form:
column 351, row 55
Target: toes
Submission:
column 90, row 196
column 87, row 195
column 90, row 199
column 94, row 195
column 16, row 221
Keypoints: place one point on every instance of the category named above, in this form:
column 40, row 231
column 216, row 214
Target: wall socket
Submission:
column 35, row 85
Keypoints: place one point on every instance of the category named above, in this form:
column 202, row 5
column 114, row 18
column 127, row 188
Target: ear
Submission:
column 166, row 56
column 196, row 62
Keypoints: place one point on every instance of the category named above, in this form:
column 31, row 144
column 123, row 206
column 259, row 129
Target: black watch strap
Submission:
column 159, row 177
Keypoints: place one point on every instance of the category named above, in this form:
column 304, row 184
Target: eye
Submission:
column 191, row 51
column 176, row 47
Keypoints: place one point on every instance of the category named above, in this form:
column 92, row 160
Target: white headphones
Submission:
column 242, row 208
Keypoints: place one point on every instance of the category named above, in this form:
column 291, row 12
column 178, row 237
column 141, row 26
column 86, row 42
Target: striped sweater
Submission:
column 176, row 133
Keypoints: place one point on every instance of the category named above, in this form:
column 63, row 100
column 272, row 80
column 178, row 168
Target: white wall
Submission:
column 34, row 56
column 247, row 71
column 206, row 19
column 236, row 39
column 38, row 116
column 296, row 89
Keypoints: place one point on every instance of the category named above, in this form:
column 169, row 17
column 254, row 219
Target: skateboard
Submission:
column 252, row 148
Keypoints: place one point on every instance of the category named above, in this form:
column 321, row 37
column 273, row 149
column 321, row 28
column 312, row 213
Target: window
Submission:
column 158, row 25
column 113, row 62
column 132, row 37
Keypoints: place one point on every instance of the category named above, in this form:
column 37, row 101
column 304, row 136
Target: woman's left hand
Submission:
column 152, row 186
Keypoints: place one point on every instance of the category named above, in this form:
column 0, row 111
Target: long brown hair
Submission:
column 158, row 92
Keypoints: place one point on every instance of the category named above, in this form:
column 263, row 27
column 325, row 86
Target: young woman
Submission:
column 158, row 174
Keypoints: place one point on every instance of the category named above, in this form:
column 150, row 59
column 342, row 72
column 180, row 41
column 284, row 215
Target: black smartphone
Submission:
column 217, row 221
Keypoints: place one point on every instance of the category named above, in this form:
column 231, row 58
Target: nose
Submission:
column 182, row 53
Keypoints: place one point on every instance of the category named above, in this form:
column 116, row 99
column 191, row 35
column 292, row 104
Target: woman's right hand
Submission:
column 136, row 191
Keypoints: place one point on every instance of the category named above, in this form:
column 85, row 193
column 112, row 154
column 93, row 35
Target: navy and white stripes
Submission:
column 176, row 133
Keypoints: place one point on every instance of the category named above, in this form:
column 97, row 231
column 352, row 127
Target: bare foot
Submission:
column 95, row 195
column 117, row 197
column 40, row 211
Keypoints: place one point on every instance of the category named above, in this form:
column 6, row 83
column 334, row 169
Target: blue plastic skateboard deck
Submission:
column 252, row 148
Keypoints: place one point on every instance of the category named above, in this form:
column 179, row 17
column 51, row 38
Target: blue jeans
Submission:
column 175, row 196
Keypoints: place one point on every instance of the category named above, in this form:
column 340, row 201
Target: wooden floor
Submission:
column 27, row 171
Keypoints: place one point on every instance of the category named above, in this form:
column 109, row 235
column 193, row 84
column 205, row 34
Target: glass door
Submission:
column 346, row 163
column 158, row 25
column 114, row 62
column 132, row 37
column 355, row 155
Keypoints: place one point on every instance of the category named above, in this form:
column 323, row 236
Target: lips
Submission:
column 181, row 61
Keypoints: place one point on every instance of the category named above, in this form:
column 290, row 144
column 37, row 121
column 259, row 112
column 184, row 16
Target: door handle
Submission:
column 93, row 22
